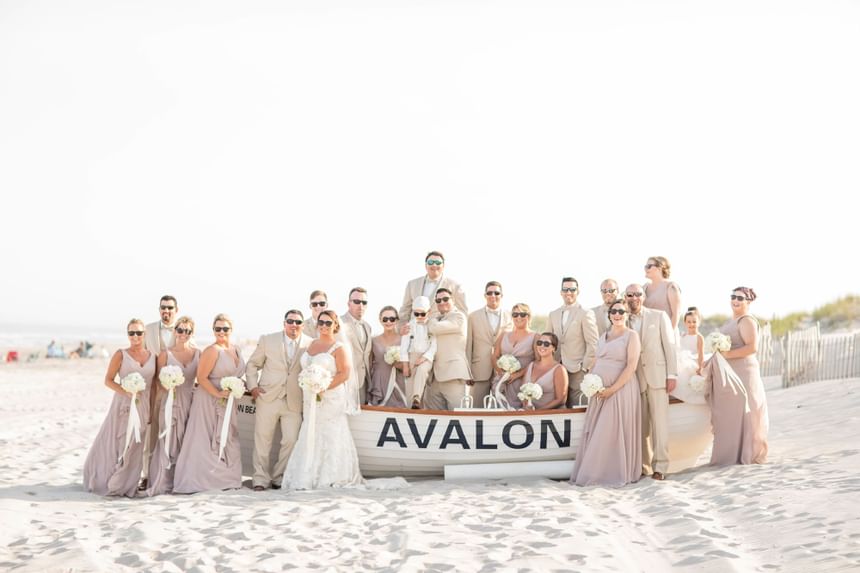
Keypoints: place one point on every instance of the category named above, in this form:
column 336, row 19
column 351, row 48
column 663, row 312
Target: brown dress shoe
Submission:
column 416, row 404
column 143, row 484
column 259, row 488
column 276, row 486
column 658, row 476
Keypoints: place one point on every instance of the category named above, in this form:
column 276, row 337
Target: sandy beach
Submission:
column 796, row 513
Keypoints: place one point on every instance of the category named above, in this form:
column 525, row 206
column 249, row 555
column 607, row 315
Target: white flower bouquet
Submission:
column 132, row 383
column 236, row 387
column 718, row 342
column 315, row 379
column 509, row 364
column 698, row 384
column 392, row 355
column 171, row 376
column 591, row 384
column 529, row 392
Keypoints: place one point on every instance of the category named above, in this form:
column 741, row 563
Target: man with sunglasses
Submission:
column 318, row 303
column 657, row 372
column 434, row 264
column 576, row 329
column 358, row 332
column 484, row 327
column 272, row 373
column 609, row 293
column 450, row 367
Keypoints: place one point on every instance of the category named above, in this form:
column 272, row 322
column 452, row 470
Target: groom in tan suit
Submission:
column 485, row 326
column 358, row 333
column 278, row 397
column 427, row 285
column 657, row 373
column 577, row 337
column 450, row 366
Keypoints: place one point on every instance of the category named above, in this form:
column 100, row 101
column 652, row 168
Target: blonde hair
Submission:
column 663, row 264
column 135, row 321
column 186, row 320
column 222, row 318
column 523, row 307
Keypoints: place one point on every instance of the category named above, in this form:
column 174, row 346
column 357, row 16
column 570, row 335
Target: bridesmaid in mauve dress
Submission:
column 610, row 450
column 740, row 437
column 103, row 474
column 185, row 357
column 380, row 370
column 545, row 372
column 199, row 467
column 662, row 294
column 519, row 342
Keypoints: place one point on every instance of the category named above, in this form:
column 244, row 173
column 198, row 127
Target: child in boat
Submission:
column 417, row 350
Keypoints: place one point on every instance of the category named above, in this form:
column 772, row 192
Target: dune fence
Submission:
column 807, row 355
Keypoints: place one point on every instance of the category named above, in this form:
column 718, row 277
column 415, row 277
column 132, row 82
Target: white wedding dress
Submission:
column 688, row 363
column 324, row 455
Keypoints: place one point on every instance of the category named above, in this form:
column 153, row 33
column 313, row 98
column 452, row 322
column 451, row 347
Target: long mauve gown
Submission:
column 160, row 476
column 546, row 384
column 610, row 451
column 103, row 474
column 739, row 437
column 381, row 374
column 524, row 351
column 198, row 467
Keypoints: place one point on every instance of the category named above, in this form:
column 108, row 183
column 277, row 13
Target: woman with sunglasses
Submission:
column 610, row 449
column 545, row 372
column 380, row 370
column 103, row 474
column 325, row 455
column 199, row 467
column 660, row 293
column 739, row 415
column 520, row 343
column 184, row 356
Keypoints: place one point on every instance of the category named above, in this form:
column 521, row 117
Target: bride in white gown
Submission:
column 324, row 455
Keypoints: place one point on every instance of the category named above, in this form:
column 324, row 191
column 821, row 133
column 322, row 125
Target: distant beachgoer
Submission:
column 55, row 350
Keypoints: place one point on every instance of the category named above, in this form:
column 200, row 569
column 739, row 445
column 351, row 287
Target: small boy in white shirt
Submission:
column 417, row 350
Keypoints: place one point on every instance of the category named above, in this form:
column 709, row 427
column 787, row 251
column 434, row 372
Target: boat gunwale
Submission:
column 517, row 413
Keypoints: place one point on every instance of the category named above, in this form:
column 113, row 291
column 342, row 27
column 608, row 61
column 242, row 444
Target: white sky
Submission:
column 239, row 155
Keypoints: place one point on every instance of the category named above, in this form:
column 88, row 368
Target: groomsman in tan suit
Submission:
column 277, row 396
column 318, row 303
column 577, row 337
column 158, row 337
column 358, row 332
column 609, row 293
column 427, row 286
column 485, row 326
column 657, row 374
column 450, row 367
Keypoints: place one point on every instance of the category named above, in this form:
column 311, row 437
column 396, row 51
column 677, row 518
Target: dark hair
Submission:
column 358, row 289
column 443, row 289
column 435, row 254
column 335, row 328
column 622, row 302
column 170, row 297
column 692, row 311
column 389, row 307
column 317, row 293
column 569, row 280
column 493, row 283
column 551, row 336
column 748, row 292
column 293, row 311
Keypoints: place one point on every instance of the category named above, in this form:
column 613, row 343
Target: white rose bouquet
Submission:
column 236, row 387
column 170, row 377
column 315, row 379
column 718, row 342
column 698, row 384
column 392, row 355
column 508, row 364
column 530, row 392
column 133, row 383
column 591, row 384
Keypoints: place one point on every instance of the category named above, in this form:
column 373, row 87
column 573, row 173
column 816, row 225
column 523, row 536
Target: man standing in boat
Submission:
column 576, row 330
column 485, row 326
column 434, row 264
column 450, row 367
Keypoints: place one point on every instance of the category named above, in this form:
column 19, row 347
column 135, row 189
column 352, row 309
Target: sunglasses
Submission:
column 163, row 307
column 434, row 262
column 443, row 299
column 389, row 319
column 320, row 303
column 650, row 265
column 221, row 329
column 546, row 343
column 493, row 293
column 519, row 314
column 135, row 333
column 568, row 289
column 633, row 294
column 738, row 297
column 327, row 323
column 608, row 290
column 420, row 314
column 293, row 320
column 182, row 330
column 620, row 311
column 359, row 301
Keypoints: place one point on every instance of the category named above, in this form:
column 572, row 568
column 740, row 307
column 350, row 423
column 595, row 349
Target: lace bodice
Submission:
column 324, row 359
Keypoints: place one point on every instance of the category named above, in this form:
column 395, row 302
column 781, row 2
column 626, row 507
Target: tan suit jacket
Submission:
column 360, row 353
column 657, row 360
column 415, row 288
column 601, row 316
column 577, row 339
column 152, row 338
column 450, row 332
column 309, row 327
column 480, row 340
column 278, row 374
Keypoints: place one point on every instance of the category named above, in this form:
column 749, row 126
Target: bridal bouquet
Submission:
column 132, row 383
column 170, row 377
column 591, row 384
column 234, row 385
column 718, row 342
column 509, row 364
column 237, row 390
column 315, row 379
column 392, row 355
column 698, row 383
column 529, row 392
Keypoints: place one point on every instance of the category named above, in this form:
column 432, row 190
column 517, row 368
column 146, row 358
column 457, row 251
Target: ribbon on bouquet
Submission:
column 720, row 372
column 310, row 422
column 392, row 387
column 496, row 400
column 168, row 421
column 225, row 427
column 133, row 427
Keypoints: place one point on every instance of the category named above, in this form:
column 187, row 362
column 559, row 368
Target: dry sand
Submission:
column 797, row 513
